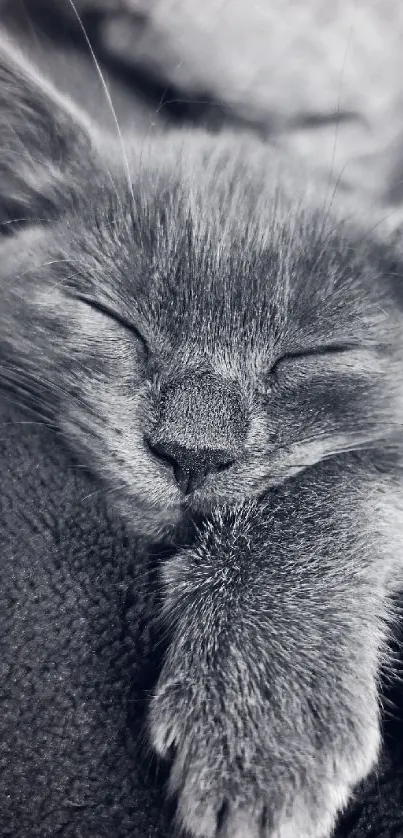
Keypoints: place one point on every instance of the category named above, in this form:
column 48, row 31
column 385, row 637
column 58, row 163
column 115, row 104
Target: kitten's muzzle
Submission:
column 191, row 466
column 201, row 428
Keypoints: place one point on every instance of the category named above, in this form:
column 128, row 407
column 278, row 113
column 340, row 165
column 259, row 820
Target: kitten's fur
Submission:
column 191, row 315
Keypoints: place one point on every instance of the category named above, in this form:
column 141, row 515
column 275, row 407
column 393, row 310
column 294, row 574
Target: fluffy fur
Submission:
column 224, row 351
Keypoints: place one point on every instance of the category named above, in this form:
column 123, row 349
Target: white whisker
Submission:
column 336, row 133
column 108, row 99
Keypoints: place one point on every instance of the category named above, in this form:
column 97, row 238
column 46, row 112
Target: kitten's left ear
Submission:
column 45, row 142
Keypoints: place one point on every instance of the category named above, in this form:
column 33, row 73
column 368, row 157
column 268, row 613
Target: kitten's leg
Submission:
column 269, row 690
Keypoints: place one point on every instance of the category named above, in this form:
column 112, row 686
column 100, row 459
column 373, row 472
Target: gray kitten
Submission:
column 224, row 352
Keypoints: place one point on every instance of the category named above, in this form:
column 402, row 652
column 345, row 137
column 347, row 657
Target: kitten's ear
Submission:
column 44, row 141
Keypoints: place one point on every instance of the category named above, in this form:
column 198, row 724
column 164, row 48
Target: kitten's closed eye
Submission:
column 350, row 358
column 114, row 315
column 320, row 352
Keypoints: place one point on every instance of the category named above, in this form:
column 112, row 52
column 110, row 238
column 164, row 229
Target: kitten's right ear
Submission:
column 44, row 141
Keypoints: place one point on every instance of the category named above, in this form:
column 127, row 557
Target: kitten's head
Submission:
column 190, row 313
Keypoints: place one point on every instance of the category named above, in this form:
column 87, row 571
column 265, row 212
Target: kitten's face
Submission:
column 205, row 333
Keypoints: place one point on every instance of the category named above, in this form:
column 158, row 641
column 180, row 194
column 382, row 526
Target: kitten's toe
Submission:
column 230, row 783
column 211, row 814
column 163, row 738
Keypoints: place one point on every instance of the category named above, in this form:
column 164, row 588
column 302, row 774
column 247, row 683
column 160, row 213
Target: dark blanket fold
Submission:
column 74, row 651
column 76, row 662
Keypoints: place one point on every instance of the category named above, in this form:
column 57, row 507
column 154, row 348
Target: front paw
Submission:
column 242, row 776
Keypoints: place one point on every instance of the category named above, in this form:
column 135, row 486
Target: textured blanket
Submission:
column 78, row 657
column 74, row 652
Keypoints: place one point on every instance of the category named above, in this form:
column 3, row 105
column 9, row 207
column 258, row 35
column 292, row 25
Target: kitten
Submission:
column 221, row 347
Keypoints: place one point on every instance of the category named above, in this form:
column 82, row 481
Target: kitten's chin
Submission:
column 149, row 522
column 169, row 524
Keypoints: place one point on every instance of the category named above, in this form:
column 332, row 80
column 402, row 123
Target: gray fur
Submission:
column 200, row 294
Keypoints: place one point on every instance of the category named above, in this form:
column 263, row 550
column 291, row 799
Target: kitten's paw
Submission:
column 237, row 783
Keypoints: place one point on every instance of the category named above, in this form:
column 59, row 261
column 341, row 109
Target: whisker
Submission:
column 103, row 491
column 22, row 220
column 47, row 264
column 108, row 99
column 336, row 133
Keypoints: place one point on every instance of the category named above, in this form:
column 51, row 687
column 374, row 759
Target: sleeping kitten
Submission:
column 220, row 347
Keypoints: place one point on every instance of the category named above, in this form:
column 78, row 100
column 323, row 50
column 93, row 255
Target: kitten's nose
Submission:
column 202, row 426
column 191, row 466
